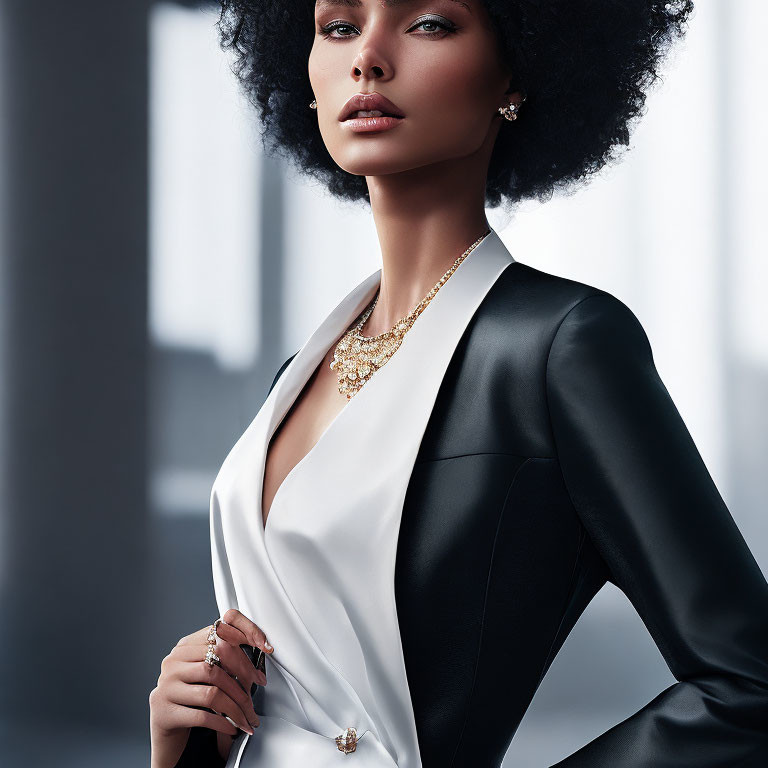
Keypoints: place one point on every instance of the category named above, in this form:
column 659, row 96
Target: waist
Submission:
column 279, row 743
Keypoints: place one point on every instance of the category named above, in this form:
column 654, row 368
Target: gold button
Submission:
column 347, row 741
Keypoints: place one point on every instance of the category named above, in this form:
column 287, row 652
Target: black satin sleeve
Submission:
column 280, row 371
column 646, row 499
column 201, row 750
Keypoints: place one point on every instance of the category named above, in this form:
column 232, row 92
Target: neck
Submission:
column 425, row 219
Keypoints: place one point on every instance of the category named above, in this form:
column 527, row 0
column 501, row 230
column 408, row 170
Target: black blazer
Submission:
column 555, row 460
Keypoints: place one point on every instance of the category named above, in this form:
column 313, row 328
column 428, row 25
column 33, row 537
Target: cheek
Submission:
column 317, row 69
column 327, row 70
column 455, row 92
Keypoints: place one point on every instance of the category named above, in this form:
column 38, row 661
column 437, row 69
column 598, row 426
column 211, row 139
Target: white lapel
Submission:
column 336, row 637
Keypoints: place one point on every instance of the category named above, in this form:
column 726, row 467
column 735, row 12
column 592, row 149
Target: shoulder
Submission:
column 546, row 297
column 555, row 315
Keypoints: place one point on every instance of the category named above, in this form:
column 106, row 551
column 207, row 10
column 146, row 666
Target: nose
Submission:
column 375, row 71
column 365, row 67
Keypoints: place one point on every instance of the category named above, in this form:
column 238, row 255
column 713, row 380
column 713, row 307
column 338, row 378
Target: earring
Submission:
column 509, row 111
column 313, row 104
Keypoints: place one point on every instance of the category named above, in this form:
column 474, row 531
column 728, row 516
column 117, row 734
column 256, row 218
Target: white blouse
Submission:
column 319, row 579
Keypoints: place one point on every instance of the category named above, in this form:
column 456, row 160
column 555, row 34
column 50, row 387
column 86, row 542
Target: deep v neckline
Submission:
column 303, row 460
column 413, row 346
column 295, row 390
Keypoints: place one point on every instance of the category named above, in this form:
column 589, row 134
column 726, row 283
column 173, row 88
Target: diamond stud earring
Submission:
column 313, row 104
column 509, row 111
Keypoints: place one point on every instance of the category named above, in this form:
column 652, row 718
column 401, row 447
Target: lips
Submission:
column 369, row 113
column 369, row 102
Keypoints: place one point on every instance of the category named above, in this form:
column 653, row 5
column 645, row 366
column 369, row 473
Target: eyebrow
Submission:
column 387, row 3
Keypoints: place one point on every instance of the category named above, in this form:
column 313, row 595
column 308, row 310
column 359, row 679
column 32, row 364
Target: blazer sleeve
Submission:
column 646, row 499
column 201, row 750
column 280, row 371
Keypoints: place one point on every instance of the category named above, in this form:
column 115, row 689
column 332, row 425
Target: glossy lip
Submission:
column 369, row 124
column 369, row 101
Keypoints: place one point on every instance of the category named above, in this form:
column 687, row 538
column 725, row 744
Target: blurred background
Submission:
column 156, row 269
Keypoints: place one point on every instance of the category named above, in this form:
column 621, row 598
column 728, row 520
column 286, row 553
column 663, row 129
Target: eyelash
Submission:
column 445, row 26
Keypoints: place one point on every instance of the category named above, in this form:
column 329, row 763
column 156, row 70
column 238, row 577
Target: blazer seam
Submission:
column 557, row 331
column 546, row 394
column 568, row 598
column 485, row 453
column 485, row 606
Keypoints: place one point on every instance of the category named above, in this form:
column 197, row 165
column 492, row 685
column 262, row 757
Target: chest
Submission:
column 314, row 410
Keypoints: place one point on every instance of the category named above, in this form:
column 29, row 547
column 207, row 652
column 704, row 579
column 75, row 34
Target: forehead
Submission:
column 385, row 3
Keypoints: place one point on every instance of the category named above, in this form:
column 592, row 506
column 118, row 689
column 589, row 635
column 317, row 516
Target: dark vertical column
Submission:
column 74, row 293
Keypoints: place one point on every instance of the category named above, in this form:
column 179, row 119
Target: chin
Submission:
column 365, row 163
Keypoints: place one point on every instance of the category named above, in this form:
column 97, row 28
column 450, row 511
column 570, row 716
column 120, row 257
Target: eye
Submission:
column 443, row 26
column 333, row 26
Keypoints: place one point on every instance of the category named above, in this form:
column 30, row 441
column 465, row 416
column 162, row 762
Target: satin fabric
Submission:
column 554, row 460
column 319, row 580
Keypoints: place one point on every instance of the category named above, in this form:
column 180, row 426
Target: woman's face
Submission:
column 436, row 60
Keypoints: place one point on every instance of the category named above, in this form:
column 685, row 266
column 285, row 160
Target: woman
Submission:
column 467, row 448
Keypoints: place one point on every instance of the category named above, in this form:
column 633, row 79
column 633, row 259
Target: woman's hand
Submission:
column 190, row 692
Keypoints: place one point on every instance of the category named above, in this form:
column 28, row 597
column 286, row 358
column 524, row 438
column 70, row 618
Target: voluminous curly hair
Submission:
column 584, row 65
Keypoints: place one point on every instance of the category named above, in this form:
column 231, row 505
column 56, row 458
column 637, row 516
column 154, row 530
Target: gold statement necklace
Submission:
column 357, row 357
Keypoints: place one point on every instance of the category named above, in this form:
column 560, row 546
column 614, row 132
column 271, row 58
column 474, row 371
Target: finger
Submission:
column 210, row 697
column 181, row 716
column 197, row 637
column 200, row 672
column 235, row 661
column 253, row 634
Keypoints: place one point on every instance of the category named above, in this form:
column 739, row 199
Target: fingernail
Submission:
column 237, row 725
column 268, row 646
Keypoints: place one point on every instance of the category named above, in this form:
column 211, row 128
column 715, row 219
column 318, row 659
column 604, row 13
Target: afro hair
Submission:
column 585, row 67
